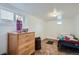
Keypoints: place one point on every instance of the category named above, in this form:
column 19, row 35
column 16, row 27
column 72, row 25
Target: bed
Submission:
column 68, row 43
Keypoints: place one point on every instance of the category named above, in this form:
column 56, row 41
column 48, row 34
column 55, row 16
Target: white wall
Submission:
column 76, row 26
column 4, row 29
column 36, row 25
column 53, row 29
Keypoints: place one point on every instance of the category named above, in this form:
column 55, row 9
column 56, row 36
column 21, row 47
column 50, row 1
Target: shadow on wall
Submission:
column 4, row 29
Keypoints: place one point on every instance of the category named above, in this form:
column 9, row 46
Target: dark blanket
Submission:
column 72, row 41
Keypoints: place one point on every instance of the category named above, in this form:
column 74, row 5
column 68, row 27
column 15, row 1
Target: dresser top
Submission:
column 20, row 32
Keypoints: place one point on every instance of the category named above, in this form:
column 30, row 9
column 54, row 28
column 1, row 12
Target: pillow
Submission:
column 66, row 38
column 71, row 37
column 61, row 37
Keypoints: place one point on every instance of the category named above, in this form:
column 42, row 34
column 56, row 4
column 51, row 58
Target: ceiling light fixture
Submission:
column 53, row 14
column 57, row 14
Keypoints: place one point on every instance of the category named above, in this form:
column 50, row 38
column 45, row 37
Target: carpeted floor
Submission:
column 51, row 49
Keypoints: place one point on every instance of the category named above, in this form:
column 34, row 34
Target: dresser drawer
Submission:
column 26, row 45
column 25, row 40
column 27, row 49
column 27, row 52
column 22, row 36
column 22, row 43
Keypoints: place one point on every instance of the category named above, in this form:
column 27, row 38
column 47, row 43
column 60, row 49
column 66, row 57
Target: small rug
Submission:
column 49, row 42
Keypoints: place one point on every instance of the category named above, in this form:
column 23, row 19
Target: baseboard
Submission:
column 4, row 54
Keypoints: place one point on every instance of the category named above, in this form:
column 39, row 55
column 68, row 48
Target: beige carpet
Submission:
column 51, row 49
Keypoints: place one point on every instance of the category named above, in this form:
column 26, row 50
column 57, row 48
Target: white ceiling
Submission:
column 41, row 10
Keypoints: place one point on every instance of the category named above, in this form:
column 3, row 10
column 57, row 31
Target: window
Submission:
column 6, row 15
column 59, row 19
column 59, row 22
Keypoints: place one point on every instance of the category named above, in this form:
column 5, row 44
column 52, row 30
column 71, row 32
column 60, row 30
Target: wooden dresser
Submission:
column 21, row 43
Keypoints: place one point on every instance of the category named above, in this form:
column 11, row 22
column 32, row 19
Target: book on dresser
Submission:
column 21, row 43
